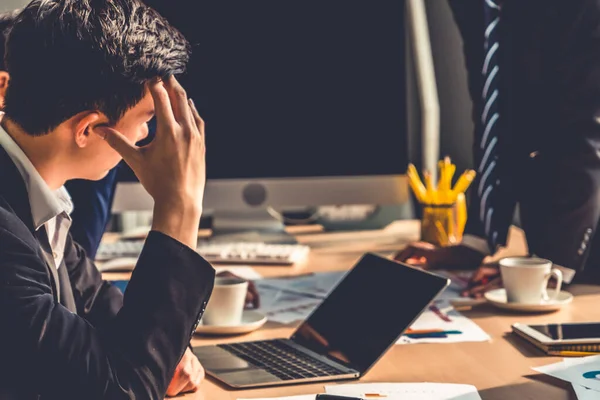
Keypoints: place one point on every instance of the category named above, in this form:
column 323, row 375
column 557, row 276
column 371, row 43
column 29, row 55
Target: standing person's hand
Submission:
column 486, row 278
column 171, row 168
column 252, row 295
column 429, row 256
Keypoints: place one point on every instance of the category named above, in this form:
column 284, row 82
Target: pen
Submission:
column 439, row 313
column 334, row 397
column 442, row 334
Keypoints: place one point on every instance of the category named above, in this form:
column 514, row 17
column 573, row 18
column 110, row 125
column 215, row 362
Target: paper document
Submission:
column 286, row 300
column 313, row 285
column 583, row 373
column 285, row 307
column 407, row 391
column 453, row 327
column 303, row 397
column 582, row 392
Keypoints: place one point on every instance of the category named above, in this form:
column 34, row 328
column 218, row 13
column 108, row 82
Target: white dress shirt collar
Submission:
column 45, row 203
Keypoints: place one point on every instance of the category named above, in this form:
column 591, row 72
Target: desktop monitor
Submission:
column 304, row 102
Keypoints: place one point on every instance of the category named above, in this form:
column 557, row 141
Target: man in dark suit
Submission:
column 85, row 77
column 534, row 77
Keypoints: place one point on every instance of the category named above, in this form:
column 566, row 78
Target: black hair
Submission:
column 6, row 18
column 69, row 56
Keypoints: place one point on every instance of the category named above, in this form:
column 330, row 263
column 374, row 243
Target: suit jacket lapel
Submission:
column 12, row 188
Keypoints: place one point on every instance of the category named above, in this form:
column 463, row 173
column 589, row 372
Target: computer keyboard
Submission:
column 281, row 360
column 218, row 252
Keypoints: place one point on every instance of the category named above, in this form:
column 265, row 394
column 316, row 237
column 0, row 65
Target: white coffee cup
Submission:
column 226, row 303
column 526, row 279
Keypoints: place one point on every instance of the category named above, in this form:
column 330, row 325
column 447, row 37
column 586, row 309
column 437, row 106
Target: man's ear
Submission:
column 82, row 128
column 4, row 77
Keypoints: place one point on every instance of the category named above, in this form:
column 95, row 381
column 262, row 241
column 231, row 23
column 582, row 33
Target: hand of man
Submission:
column 429, row 256
column 171, row 168
column 486, row 278
column 252, row 296
column 188, row 376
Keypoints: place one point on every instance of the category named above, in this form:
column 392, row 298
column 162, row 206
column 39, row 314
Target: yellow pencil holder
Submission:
column 440, row 224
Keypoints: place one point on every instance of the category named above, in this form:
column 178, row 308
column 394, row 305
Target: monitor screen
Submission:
column 297, row 88
column 366, row 313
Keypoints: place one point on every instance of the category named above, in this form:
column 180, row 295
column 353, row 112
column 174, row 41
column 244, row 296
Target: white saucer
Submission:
column 251, row 321
column 497, row 297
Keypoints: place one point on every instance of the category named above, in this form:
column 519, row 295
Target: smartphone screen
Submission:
column 569, row 331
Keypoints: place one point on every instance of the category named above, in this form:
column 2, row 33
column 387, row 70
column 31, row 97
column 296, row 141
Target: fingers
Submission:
column 252, row 296
column 484, row 272
column 179, row 101
column 128, row 150
column 405, row 254
column 177, row 383
column 162, row 104
column 195, row 377
column 477, row 292
column 188, row 375
column 484, row 279
column 197, row 119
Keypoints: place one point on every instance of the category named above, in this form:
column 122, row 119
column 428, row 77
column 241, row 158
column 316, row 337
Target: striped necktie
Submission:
column 486, row 157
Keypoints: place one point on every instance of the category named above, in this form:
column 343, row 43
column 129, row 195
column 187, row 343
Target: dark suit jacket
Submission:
column 549, row 114
column 67, row 334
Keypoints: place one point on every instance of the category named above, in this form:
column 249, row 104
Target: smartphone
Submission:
column 568, row 333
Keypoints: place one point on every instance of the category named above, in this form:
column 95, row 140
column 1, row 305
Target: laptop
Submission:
column 362, row 317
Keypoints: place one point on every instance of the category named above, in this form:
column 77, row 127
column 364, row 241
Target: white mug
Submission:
column 226, row 303
column 526, row 279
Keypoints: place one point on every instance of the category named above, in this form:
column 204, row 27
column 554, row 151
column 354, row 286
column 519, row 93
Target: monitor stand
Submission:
column 248, row 226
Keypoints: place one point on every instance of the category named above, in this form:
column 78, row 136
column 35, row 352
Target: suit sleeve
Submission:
column 564, row 208
column 62, row 355
column 97, row 301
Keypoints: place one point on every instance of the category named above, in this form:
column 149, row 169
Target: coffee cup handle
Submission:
column 557, row 273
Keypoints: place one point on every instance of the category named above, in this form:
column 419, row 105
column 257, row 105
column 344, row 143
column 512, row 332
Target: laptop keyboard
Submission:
column 281, row 360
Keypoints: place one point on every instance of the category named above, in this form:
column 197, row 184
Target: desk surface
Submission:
column 500, row 369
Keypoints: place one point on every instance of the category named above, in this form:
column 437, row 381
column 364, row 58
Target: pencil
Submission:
column 422, row 331
column 463, row 182
column 574, row 353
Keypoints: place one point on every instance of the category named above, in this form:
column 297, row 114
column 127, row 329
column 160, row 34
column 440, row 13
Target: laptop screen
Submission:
column 368, row 310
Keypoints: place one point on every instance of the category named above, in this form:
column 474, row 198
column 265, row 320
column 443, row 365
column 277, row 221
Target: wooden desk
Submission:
column 500, row 369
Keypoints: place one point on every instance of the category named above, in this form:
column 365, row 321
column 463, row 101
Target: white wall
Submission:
column 7, row 5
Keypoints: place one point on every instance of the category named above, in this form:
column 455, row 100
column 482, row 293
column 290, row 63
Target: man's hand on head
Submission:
column 172, row 168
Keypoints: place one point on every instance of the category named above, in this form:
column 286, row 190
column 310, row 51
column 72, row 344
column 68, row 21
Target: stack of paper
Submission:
column 396, row 391
column 583, row 373
column 407, row 391
column 304, row 397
